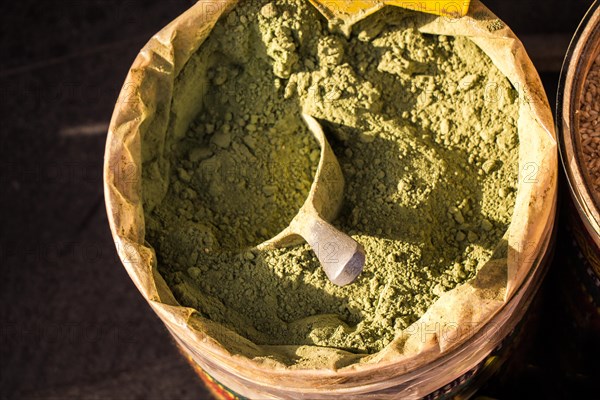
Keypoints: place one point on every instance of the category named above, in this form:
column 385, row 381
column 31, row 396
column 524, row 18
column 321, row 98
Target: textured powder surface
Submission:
column 425, row 130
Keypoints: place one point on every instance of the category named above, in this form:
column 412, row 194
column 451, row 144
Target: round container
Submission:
column 147, row 106
column 582, row 211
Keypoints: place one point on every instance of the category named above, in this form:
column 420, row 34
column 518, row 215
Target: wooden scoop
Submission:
column 341, row 257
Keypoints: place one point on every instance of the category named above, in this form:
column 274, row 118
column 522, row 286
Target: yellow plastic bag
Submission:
column 345, row 13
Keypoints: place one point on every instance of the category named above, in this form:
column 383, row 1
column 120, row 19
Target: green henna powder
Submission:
column 424, row 128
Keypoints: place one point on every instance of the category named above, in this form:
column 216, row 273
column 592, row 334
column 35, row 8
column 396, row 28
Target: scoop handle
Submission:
column 342, row 257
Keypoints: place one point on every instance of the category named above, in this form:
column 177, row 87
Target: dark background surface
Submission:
column 72, row 324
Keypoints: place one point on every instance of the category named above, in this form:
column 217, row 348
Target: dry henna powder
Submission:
column 425, row 130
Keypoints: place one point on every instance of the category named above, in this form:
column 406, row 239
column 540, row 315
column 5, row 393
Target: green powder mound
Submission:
column 245, row 166
column 425, row 131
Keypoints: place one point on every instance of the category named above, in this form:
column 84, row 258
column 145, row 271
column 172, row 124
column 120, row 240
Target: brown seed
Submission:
column 589, row 124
